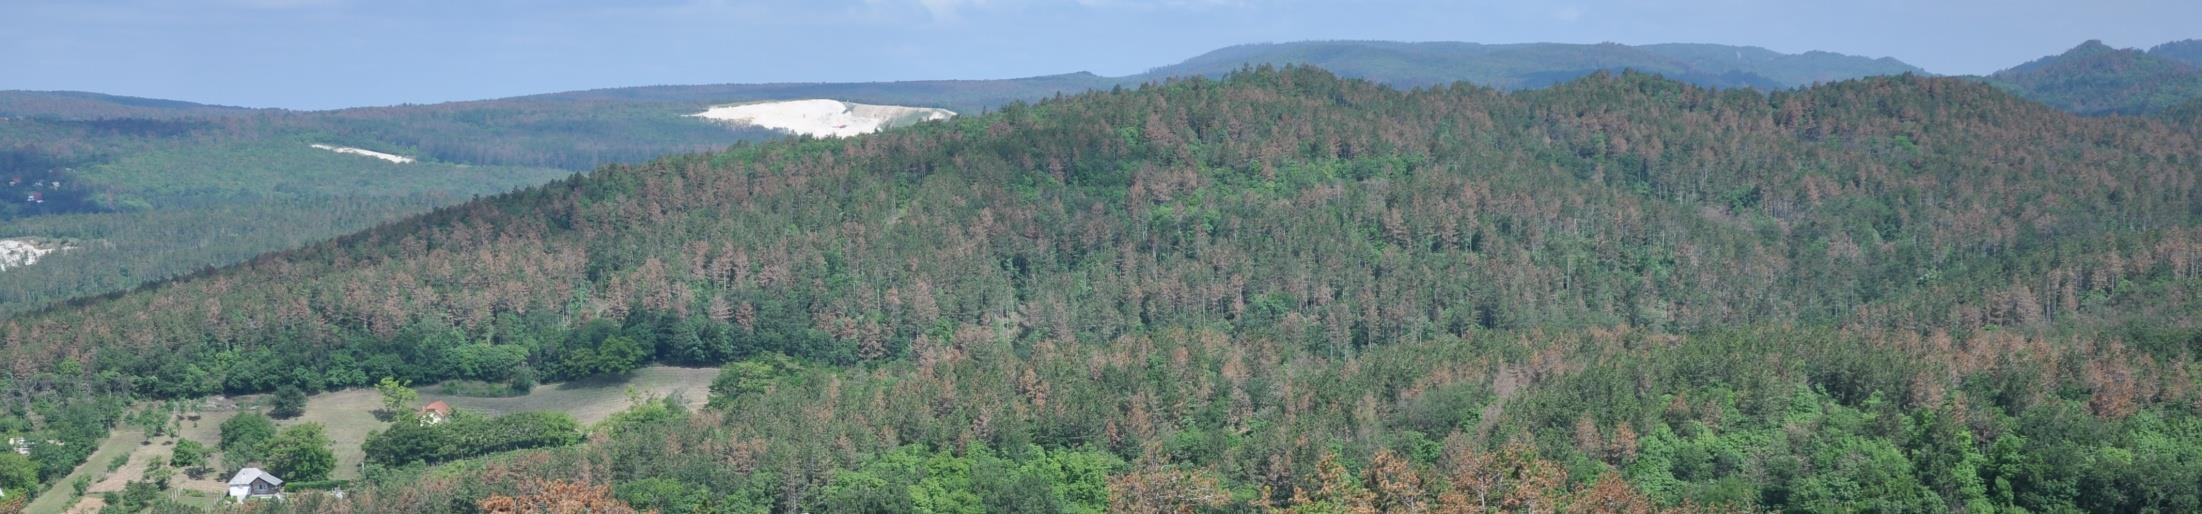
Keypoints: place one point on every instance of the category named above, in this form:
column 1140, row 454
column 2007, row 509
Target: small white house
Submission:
column 254, row 483
column 435, row 412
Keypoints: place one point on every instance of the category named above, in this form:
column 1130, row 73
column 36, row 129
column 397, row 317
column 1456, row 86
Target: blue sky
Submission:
column 337, row 53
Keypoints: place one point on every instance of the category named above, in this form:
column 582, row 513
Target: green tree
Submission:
column 523, row 380
column 301, row 453
column 467, row 435
column 396, row 396
column 17, row 473
column 242, row 438
column 187, row 454
column 621, row 354
column 663, row 495
column 1079, row 479
column 289, row 402
column 1857, row 474
column 748, row 377
column 1948, row 462
column 614, row 354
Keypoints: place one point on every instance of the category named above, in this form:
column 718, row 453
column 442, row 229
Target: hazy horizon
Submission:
column 318, row 54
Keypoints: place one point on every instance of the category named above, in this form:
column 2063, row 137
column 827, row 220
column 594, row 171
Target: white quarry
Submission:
column 400, row 159
column 823, row 118
column 16, row 253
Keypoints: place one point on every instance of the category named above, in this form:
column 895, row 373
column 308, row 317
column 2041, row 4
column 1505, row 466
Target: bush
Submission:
column 315, row 485
column 187, row 454
column 134, row 497
column 478, row 389
column 396, row 397
column 290, row 402
column 749, row 377
column 301, row 453
column 17, row 473
column 468, row 435
column 523, row 380
column 242, row 437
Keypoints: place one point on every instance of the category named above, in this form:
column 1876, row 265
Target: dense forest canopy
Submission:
column 1286, row 288
column 111, row 161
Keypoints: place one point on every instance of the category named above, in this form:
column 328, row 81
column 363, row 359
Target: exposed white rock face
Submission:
column 16, row 253
column 823, row 118
column 400, row 159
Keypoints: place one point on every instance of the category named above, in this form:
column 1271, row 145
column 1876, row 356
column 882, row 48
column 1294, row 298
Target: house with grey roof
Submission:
column 254, row 483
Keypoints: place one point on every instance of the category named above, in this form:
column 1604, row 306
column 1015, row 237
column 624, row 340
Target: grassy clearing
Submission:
column 207, row 430
column 349, row 414
column 202, row 424
column 349, row 417
column 121, row 442
column 590, row 401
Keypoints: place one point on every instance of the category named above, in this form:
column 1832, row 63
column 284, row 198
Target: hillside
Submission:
column 78, row 105
column 2094, row 78
column 167, row 188
column 1791, row 70
column 1519, row 66
column 956, row 95
column 2187, row 51
column 1896, row 293
column 153, row 198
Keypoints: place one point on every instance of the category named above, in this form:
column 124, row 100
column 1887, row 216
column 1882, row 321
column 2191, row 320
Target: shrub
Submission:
column 290, row 402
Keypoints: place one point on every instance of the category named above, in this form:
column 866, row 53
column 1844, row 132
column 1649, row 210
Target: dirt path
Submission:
column 89, row 505
column 130, row 471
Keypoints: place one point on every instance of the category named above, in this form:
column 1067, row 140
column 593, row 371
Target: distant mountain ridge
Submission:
column 2188, row 51
column 1503, row 66
column 1532, row 65
column 86, row 105
column 2095, row 78
column 958, row 95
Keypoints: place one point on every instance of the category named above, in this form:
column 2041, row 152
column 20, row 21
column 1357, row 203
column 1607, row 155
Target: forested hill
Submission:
column 1533, row 65
column 1901, row 293
column 77, row 105
column 144, row 189
column 2094, row 78
column 2188, row 51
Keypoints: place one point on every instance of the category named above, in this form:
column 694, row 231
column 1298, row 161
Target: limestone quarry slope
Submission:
column 822, row 117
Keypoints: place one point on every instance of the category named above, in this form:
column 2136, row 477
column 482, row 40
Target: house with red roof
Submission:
column 435, row 412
